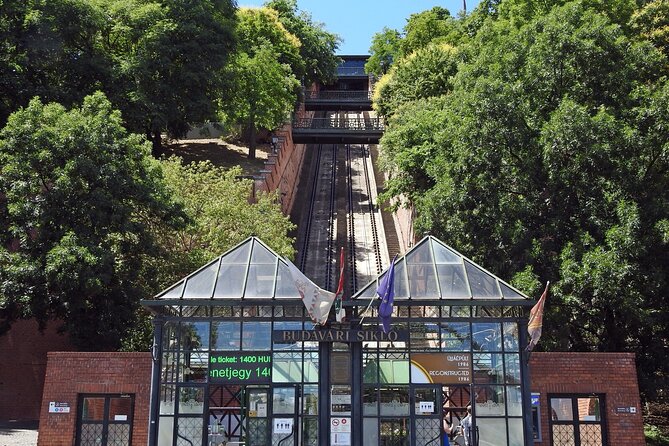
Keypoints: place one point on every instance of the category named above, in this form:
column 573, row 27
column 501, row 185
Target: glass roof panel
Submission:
column 285, row 285
column 261, row 255
column 509, row 293
column 174, row 292
column 420, row 254
column 239, row 255
column 260, row 281
column 201, row 284
column 400, row 284
column 230, row 281
column 423, row 281
column 368, row 291
column 452, row 281
column 444, row 255
column 482, row 284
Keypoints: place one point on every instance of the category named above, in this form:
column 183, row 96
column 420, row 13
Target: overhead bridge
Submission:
column 338, row 130
column 338, row 100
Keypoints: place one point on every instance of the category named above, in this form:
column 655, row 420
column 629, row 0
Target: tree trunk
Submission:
column 156, row 144
column 252, row 140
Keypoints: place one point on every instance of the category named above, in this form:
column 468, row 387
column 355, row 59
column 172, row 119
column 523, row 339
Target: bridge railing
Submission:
column 351, row 71
column 337, row 123
column 339, row 95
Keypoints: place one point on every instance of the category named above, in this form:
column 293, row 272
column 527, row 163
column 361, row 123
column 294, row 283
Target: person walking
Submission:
column 466, row 427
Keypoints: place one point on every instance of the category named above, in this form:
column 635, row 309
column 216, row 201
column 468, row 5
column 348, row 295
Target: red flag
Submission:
column 536, row 320
column 339, row 309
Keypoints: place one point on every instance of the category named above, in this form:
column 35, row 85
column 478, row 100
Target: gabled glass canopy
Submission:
column 433, row 271
column 250, row 270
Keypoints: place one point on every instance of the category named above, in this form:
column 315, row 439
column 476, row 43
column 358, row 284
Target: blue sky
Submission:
column 356, row 21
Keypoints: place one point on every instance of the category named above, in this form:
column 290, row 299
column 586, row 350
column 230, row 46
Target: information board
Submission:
column 445, row 368
column 240, row 367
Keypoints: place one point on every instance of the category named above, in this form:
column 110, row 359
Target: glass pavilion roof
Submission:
column 429, row 271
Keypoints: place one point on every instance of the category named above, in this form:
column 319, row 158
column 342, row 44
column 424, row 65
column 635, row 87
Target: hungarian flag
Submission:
column 386, row 292
column 316, row 300
column 536, row 320
column 339, row 295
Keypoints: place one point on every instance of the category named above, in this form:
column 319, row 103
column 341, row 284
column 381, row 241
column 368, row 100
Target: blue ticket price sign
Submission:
column 240, row 367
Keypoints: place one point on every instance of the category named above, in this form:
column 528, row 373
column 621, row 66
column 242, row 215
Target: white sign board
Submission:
column 340, row 431
column 59, row 407
column 283, row 426
column 425, row 407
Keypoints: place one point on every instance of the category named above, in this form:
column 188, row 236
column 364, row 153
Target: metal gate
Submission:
column 104, row 419
column 577, row 420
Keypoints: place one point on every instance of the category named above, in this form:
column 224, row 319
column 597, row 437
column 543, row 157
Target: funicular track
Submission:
column 367, row 253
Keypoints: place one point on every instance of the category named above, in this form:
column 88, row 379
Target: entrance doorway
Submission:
column 104, row 419
column 577, row 420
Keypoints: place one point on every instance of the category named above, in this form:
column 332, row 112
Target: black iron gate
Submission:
column 104, row 419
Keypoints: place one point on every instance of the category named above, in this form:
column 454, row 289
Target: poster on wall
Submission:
column 441, row 368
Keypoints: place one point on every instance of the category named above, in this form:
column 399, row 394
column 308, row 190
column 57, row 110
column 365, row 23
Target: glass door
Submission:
column 426, row 415
column 104, row 420
column 284, row 416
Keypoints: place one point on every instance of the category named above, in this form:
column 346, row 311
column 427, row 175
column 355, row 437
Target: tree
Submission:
column 263, row 94
column 426, row 73
column 260, row 27
column 76, row 195
column 384, row 51
column 433, row 25
column 548, row 160
column 317, row 46
column 652, row 22
column 44, row 52
column 168, row 56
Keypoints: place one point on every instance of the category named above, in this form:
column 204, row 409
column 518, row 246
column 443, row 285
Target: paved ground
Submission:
column 18, row 434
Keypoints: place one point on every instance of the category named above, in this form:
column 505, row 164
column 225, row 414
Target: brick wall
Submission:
column 71, row 374
column 23, row 351
column 612, row 374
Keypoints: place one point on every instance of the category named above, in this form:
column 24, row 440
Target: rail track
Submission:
column 364, row 238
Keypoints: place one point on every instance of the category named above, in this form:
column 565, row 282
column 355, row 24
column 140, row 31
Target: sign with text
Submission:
column 240, row 367
column 340, row 431
column 445, row 368
column 331, row 335
column 55, row 407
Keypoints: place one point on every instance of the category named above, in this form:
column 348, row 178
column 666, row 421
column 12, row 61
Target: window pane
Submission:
column 195, row 335
column 487, row 337
column 201, row 285
column 284, row 400
column 491, row 430
column 167, row 399
column 452, row 281
column 225, row 335
column 287, row 326
column 94, row 409
column 512, row 369
column 311, row 367
column 561, row 409
column 370, row 401
column 287, row 367
column 191, row 400
column 370, row 368
column 230, row 281
column 488, row 368
column 120, row 409
column 423, row 283
column 588, row 409
column 514, row 401
column 310, row 400
column 394, row 401
column 424, row 336
column 482, row 284
column 455, row 337
column 510, row 336
column 260, row 281
column 370, row 431
column 489, row 400
column 256, row 336
column 394, row 370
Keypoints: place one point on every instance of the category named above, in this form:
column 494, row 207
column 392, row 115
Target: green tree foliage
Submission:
column 318, row 46
column 44, row 52
column 384, row 51
column 261, row 28
column 426, row 73
column 263, row 92
column 433, row 25
column 168, row 56
column 548, row 158
column 76, row 194
column 652, row 22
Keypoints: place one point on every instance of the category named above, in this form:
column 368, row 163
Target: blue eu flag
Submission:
column 386, row 292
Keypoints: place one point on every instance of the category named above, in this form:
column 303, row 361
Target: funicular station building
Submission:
column 238, row 361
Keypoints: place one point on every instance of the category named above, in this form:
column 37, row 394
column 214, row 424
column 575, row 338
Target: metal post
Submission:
column 525, row 381
column 156, row 354
column 324, row 349
column 356, row 394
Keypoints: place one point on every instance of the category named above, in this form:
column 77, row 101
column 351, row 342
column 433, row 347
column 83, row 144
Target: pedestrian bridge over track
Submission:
column 337, row 129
